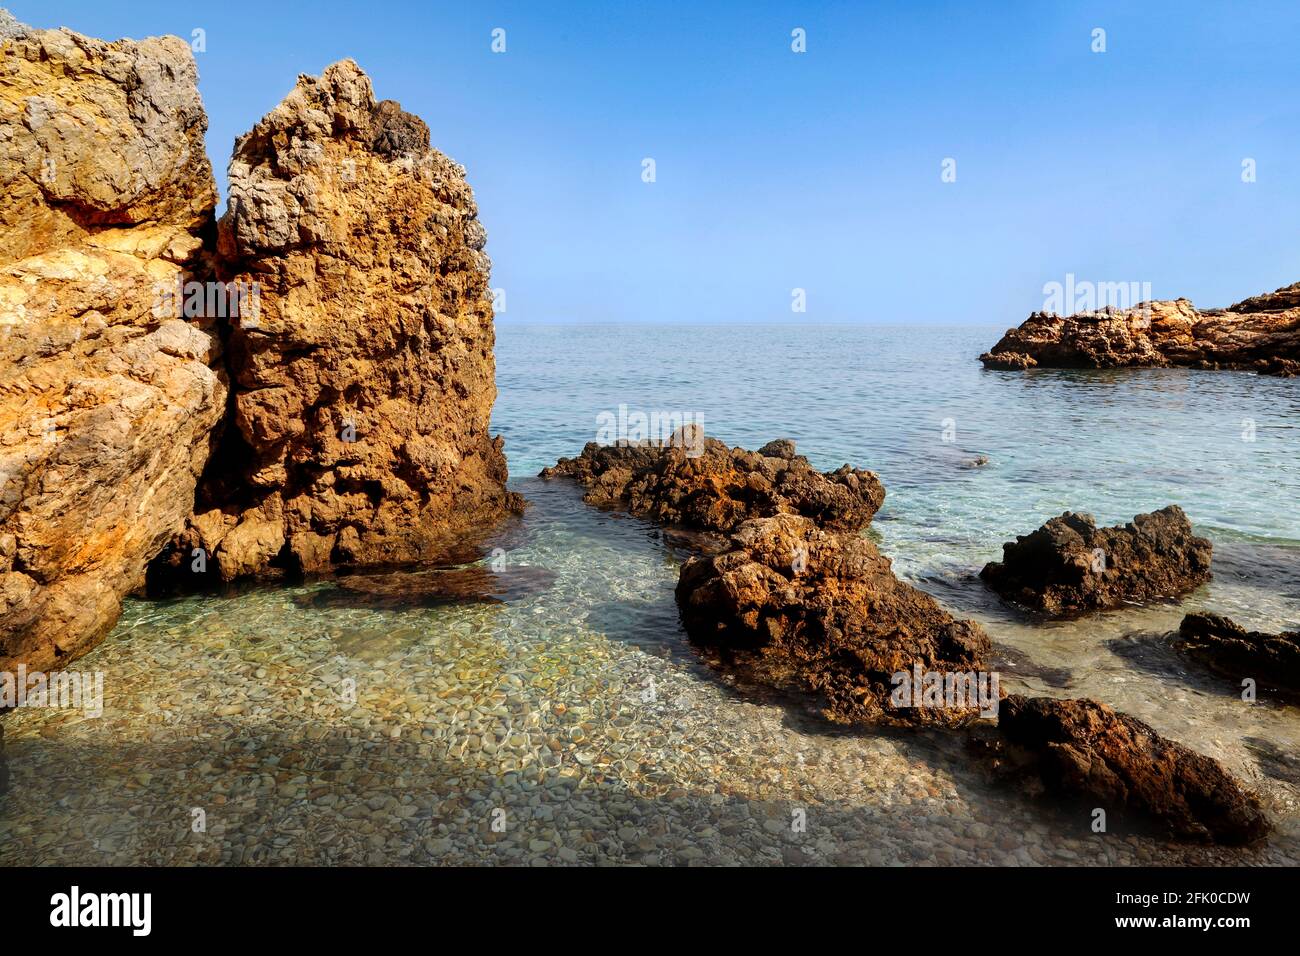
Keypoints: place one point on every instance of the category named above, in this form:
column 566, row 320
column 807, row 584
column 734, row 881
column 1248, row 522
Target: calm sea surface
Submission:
column 312, row 726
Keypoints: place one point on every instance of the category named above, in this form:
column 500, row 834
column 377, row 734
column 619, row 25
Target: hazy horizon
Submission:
column 819, row 170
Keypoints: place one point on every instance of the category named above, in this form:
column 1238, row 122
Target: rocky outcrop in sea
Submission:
column 309, row 391
column 1070, row 566
column 796, row 605
column 700, row 484
column 1259, row 334
column 790, row 603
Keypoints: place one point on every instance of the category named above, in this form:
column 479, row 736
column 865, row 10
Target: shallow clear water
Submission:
column 308, row 727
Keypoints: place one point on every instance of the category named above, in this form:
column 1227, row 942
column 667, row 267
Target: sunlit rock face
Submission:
column 1260, row 334
column 108, row 394
column 364, row 380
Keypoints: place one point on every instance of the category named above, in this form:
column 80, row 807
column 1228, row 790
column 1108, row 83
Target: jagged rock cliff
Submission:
column 351, row 321
column 365, row 381
column 1261, row 334
column 107, row 397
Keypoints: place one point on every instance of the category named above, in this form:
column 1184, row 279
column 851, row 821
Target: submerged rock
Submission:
column 434, row 587
column 1082, row 750
column 1271, row 660
column 798, row 606
column 364, row 383
column 1261, row 334
column 699, row 483
column 1069, row 565
column 108, row 394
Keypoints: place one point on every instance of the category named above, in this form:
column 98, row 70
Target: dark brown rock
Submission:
column 720, row 487
column 1261, row 334
column 1082, row 750
column 1271, row 660
column 1069, row 565
column 796, row 606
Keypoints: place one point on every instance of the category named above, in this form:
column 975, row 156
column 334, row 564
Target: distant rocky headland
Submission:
column 302, row 386
column 1260, row 334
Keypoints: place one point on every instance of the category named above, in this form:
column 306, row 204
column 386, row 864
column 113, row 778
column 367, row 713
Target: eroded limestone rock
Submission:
column 1219, row 643
column 1085, row 752
column 108, row 397
column 797, row 606
column 365, row 381
column 1261, row 334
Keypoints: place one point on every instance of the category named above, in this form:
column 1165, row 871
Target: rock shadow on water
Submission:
column 318, row 794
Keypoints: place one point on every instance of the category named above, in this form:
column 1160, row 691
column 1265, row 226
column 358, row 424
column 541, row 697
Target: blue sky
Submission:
column 820, row 170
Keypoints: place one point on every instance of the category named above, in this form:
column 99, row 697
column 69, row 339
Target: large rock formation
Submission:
column 700, row 484
column 1085, row 752
column 107, row 395
column 1069, row 565
column 1261, row 334
column 801, row 607
column 1271, row 660
column 365, row 380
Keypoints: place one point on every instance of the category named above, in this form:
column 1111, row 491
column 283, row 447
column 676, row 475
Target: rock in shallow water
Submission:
column 797, row 606
column 430, row 588
column 1082, row 750
column 1271, row 660
column 706, row 486
column 1069, row 565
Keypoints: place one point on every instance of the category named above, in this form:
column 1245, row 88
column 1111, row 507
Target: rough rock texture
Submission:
column 107, row 399
column 1069, row 565
column 1082, row 750
column 4, row 765
column 720, row 487
column 1272, row 660
column 1261, row 333
column 365, row 382
column 797, row 606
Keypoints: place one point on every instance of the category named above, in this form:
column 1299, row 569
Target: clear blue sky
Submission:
column 820, row 170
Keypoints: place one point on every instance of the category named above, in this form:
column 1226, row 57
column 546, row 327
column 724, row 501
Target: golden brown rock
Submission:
column 1261, row 334
column 107, row 398
column 364, row 384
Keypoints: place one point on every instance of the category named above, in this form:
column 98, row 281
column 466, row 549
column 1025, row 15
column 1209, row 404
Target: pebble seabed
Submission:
column 571, row 726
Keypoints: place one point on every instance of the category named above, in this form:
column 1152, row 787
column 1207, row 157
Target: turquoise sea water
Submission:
column 314, row 725
column 1109, row 442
